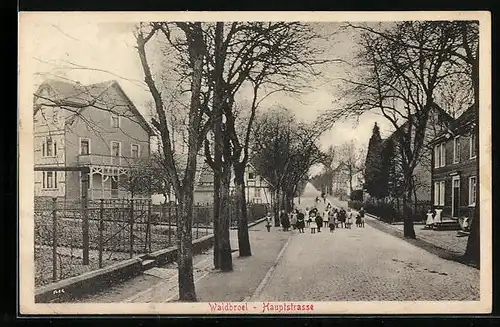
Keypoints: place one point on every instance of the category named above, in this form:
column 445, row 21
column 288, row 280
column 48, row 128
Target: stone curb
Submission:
column 77, row 286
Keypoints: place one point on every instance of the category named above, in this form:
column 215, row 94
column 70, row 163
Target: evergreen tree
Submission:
column 374, row 166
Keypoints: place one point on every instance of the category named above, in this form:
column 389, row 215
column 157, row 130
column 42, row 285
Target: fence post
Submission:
column 101, row 231
column 54, row 239
column 148, row 227
column 131, row 224
column 85, row 217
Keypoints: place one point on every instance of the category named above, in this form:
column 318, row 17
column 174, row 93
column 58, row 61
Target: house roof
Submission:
column 441, row 112
column 466, row 118
column 83, row 96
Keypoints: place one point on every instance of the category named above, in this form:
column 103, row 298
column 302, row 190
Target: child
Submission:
column 349, row 219
column 430, row 219
column 331, row 222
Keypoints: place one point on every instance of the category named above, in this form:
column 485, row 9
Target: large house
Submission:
column 438, row 121
column 454, row 170
column 257, row 188
column 95, row 126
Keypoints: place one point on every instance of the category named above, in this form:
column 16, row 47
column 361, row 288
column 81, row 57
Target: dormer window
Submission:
column 115, row 121
column 251, row 176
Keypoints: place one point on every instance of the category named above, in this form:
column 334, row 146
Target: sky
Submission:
column 90, row 52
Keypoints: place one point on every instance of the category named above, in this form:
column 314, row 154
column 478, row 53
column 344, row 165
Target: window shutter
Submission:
column 43, row 148
column 55, row 149
column 44, row 185
column 55, row 179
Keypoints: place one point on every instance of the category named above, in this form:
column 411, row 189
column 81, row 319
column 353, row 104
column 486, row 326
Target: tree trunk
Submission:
column 216, row 210
column 243, row 237
column 185, row 245
column 225, row 258
column 218, row 147
column 277, row 208
column 472, row 251
column 408, row 229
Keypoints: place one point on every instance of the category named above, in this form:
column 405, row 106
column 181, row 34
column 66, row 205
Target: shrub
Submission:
column 356, row 205
column 357, row 195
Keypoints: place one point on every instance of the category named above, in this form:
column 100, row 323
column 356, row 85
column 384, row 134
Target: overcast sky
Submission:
column 67, row 49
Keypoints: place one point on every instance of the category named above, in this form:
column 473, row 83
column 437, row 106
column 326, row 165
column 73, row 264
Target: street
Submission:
column 357, row 264
column 365, row 264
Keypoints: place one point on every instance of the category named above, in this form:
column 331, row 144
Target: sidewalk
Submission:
column 444, row 244
column 247, row 272
column 160, row 285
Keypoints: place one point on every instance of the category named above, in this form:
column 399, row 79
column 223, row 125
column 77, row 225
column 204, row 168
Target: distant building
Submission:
column 257, row 188
column 95, row 126
column 454, row 169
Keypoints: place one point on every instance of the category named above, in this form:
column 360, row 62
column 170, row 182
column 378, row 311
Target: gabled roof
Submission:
column 468, row 117
column 441, row 112
column 84, row 96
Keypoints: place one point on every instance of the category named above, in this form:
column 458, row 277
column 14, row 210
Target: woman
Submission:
column 319, row 222
column 300, row 222
column 342, row 217
column 285, row 221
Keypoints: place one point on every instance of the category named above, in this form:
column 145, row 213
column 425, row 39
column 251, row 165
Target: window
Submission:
column 439, row 193
column 49, row 147
column 84, row 146
column 49, row 179
column 251, row 176
column 456, row 149
column 472, row 190
column 439, row 155
column 115, row 121
column 436, row 193
column 443, row 155
column 472, row 147
column 135, row 150
column 436, row 156
column 257, row 192
column 55, row 117
column 115, row 149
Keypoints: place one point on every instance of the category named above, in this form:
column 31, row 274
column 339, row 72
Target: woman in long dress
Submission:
column 300, row 222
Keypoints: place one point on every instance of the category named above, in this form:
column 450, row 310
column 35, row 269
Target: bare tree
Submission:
column 192, row 44
column 402, row 67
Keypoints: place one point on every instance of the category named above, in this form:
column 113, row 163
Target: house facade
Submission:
column 455, row 173
column 438, row 121
column 94, row 126
column 257, row 189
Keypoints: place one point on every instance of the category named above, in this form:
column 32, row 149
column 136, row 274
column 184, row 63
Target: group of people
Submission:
column 333, row 218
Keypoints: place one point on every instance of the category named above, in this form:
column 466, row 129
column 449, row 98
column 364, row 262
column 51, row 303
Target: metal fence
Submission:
column 71, row 239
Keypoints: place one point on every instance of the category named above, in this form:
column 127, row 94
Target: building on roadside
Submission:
column 454, row 169
column 257, row 188
column 95, row 126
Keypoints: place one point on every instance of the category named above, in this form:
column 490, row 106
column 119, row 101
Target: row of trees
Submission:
column 405, row 68
column 284, row 151
column 214, row 62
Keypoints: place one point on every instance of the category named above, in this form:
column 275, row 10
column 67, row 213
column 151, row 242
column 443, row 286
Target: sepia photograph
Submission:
column 255, row 163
